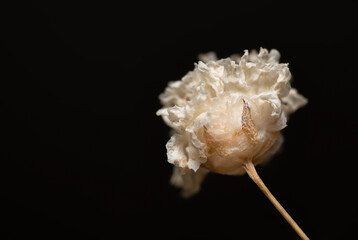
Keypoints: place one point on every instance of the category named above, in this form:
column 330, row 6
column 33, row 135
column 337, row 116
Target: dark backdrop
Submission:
column 83, row 153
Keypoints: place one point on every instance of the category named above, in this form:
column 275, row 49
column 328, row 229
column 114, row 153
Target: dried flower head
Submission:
column 227, row 116
column 225, row 113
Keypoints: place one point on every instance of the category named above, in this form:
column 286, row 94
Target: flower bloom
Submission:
column 225, row 113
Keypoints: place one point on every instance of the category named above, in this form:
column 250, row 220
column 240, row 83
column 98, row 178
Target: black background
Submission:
column 83, row 153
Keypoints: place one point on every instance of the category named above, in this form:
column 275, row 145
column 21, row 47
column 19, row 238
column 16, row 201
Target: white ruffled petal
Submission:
column 293, row 101
column 189, row 182
column 207, row 57
column 176, row 150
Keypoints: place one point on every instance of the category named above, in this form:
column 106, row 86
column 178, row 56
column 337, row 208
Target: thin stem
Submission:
column 251, row 171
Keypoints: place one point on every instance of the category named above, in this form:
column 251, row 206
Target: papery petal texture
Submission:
column 226, row 112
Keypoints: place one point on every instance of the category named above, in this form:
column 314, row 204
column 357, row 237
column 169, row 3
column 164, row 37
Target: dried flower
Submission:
column 227, row 116
column 225, row 113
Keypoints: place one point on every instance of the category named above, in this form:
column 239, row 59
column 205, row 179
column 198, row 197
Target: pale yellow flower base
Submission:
column 251, row 171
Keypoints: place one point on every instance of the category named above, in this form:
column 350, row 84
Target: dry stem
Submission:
column 251, row 171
